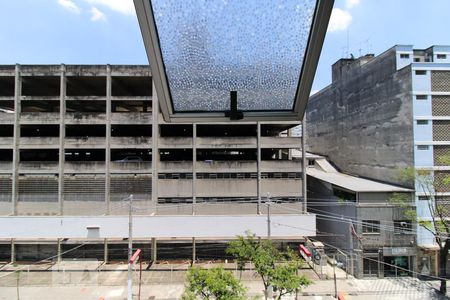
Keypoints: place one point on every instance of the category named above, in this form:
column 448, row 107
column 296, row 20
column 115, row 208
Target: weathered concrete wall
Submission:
column 363, row 120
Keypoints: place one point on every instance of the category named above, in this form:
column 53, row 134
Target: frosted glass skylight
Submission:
column 254, row 47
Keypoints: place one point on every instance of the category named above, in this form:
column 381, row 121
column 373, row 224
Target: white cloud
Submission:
column 351, row 3
column 339, row 20
column 125, row 7
column 97, row 15
column 70, row 6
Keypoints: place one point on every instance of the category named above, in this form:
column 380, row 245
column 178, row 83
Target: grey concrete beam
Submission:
column 16, row 153
column 108, row 140
column 62, row 135
column 155, row 148
column 154, row 250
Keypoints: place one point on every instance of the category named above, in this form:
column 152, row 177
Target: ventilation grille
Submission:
column 441, row 130
column 84, row 188
column 440, row 184
column 140, row 186
column 441, row 105
column 43, row 188
column 440, row 81
column 439, row 153
column 5, row 189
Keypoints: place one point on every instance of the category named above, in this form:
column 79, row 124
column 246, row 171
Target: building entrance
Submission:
column 396, row 266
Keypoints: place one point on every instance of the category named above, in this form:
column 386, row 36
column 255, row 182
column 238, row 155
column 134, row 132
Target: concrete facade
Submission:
column 76, row 140
column 386, row 113
column 357, row 217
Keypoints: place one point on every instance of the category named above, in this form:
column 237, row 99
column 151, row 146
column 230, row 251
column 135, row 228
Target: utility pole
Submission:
column 334, row 276
column 130, row 247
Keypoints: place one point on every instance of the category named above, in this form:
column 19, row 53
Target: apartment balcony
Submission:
column 85, row 142
column 175, row 167
column 281, row 142
column 131, row 167
column 175, row 142
column 131, row 142
column 6, row 142
column 39, row 118
column 85, row 118
column 138, row 118
column 213, row 166
column 281, row 166
column 6, row 118
column 38, row 167
column 226, row 142
column 84, row 167
column 39, row 142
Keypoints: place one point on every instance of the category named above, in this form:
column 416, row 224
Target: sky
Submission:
column 107, row 32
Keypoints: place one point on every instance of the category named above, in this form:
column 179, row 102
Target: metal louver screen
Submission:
column 39, row 188
column 84, row 188
column 5, row 188
column 124, row 185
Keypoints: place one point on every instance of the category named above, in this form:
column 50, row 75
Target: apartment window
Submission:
column 421, row 97
column 423, row 198
column 371, row 227
column 416, row 59
column 423, row 147
column 404, row 55
column 421, row 72
column 402, row 227
column 422, row 122
column 441, row 56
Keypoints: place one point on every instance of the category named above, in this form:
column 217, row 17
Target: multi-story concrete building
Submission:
column 76, row 140
column 381, row 114
column 356, row 216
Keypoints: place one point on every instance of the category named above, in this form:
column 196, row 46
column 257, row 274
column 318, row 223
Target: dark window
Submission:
column 417, row 59
column 423, row 147
column 421, row 72
column 441, row 56
column 424, row 198
column 422, row 122
column 421, row 97
column 404, row 55
column 371, row 226
column 402, row 226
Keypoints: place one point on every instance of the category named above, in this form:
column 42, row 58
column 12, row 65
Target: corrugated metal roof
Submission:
column 353, row 183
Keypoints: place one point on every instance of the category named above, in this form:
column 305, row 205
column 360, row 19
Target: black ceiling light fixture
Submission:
column 203, row 54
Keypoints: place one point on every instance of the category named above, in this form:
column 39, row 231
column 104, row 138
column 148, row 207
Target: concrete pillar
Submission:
column 194, row 167
column 154, row 250
column 16, row 153
column 194, row 254
column 304, row 166
column 155, row 150
column 13, row 251
column 62, row 135
column 105, row 251
column 108, row 141
column 58, row 250
column 258, row 166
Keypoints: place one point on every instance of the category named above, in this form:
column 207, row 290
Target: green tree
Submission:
column 215, row 283
column 276, row 269
column 428, row 185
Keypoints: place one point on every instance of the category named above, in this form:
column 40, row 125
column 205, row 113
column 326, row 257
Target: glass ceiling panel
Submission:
column 254, row 47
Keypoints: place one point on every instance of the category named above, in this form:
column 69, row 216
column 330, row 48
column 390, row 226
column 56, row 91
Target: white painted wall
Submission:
column 289, row 226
